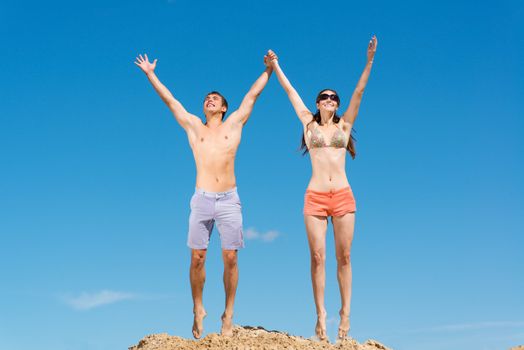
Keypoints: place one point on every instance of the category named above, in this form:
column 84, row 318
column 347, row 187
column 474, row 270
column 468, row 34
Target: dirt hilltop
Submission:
column 250, row 338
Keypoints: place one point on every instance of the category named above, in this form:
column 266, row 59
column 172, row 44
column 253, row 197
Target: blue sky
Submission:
column 96, row 175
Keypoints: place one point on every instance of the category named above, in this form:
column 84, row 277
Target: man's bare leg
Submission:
column 316, row 227
column 230, row 258
column 343, row 227
column 197, row 276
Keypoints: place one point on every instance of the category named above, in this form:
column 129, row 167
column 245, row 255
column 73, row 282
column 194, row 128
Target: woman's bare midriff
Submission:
column 329, row 169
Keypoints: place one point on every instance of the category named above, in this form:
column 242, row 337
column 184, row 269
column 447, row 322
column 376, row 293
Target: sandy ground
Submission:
column 250, row 338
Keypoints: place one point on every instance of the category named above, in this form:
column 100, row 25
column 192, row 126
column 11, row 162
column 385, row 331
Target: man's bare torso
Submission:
column 214, row 150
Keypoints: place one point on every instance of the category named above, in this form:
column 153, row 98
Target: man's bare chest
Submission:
column 225, row 140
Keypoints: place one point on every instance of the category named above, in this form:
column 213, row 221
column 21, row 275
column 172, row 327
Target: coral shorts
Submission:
column 332, row 203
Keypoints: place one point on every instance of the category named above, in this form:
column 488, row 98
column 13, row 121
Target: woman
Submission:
column 327, row 137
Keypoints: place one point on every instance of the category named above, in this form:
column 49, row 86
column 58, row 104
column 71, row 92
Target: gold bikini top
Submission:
column 316, row 139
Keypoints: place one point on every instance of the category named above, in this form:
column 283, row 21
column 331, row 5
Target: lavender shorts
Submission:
column 225, row 209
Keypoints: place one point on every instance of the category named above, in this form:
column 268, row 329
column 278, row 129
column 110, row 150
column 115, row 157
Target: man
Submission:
column 214, row 145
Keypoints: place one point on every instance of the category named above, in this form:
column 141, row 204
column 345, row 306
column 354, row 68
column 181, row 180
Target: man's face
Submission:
column 213, row 103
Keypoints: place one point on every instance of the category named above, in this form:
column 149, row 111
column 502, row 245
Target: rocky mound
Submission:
column 250, row 338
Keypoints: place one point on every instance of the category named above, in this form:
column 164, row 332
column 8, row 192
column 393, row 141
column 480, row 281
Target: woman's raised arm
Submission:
column 303, row 113
column 351, row 113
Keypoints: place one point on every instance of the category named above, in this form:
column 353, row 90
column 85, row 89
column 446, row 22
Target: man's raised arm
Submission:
column 184, row 118
column 241, row 115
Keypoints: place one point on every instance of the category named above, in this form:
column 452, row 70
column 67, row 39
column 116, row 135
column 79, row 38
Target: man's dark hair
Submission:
column 224, row 101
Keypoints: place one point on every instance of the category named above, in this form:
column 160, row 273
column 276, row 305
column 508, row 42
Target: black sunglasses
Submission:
column 332, row 97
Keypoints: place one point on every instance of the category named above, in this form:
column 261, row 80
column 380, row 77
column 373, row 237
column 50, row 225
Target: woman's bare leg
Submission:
column 316, row 227
column 343, row 227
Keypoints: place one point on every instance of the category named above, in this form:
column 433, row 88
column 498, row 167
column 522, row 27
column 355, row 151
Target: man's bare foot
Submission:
column 320, row 328
column 227, row 325
column 343, row 327
column 198, row 323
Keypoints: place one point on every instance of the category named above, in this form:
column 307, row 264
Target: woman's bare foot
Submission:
column 198, row 323
column 227, row 325
column 343, row 327
column 320, row 328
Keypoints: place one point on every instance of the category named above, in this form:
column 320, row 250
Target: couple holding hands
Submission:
column 326, row 137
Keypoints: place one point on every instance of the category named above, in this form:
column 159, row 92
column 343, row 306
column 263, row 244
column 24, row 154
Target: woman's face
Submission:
column 328, row 101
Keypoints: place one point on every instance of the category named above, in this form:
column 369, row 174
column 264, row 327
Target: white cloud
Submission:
column 251, row 234
column 331, row 321
column 86, row 301
column 270, row 236
column 267, row 237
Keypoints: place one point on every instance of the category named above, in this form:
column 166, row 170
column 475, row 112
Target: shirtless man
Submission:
column 214, row 145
